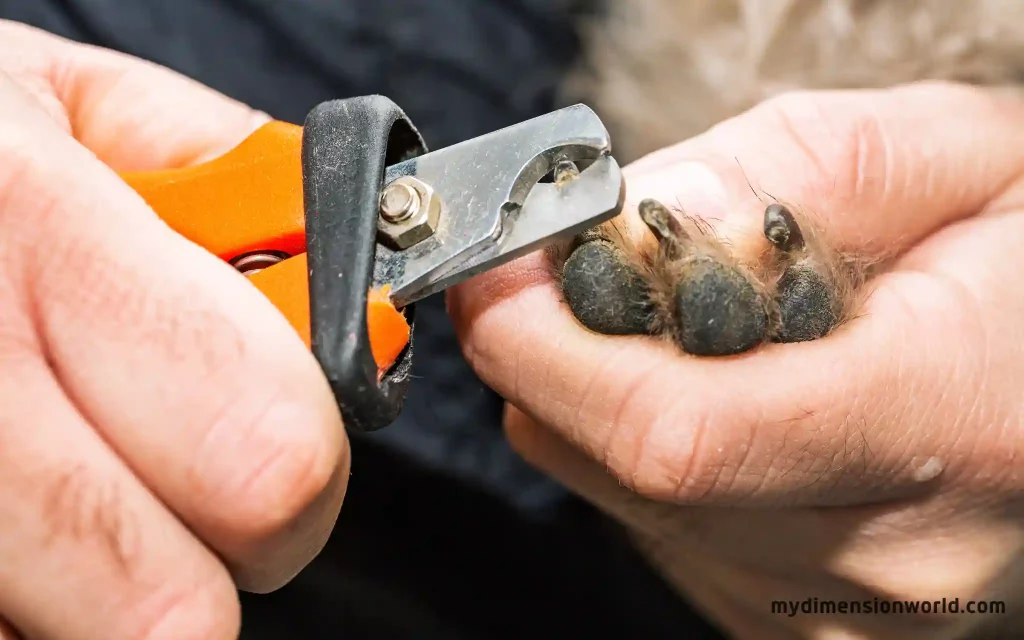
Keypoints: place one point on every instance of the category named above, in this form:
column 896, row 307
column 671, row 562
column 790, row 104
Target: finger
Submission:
column 7, row 632
column 186, row 368
column 811, row 423
column 805, row 538
column 863, row 165
column 134, row 115
column 77, row 528
column 867, row 165
column 786, row 425
column 731, row 535
column 548, row 451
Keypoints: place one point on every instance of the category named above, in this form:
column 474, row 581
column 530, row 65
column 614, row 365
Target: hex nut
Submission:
column 417, row 226
column 399, row 202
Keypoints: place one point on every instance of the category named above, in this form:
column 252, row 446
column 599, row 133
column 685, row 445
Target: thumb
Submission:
column 810, row 423
column 880, row 170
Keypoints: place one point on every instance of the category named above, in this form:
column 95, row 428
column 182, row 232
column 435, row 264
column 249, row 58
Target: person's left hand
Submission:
column 877, row 462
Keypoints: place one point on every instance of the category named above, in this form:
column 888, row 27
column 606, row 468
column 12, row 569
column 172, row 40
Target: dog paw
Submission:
column 710, row 303
column 604, row 286
column 690, row 287
column 813, row 284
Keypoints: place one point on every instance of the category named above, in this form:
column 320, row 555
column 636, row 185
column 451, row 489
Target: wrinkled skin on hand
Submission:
column 781, row 454
column 165, row 436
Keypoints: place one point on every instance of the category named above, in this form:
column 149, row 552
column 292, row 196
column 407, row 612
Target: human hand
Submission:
column 877, row 461
column 164, row 432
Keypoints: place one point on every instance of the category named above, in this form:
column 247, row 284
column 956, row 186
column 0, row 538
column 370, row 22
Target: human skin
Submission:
column 878, row 461
column 165, row 436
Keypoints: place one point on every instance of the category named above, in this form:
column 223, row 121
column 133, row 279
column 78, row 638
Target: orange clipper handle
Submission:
column 251, row 200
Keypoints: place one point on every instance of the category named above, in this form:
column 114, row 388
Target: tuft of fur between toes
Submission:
column 694, row 291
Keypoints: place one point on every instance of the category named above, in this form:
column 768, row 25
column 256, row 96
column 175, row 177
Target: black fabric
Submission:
column 445, row 533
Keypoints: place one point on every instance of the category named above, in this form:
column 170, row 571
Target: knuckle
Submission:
column 675, row 468
column 733, row 457
column 17, row 145
column 260, row 470
column 86, row 509
column 178, row 325
column 187, row 329
column 680, row 447
column 207, row 611
column 845, row 143
column 659, row 445
column 632, row 413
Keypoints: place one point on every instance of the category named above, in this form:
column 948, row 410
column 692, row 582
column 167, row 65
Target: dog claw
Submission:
column 693, row 290
column 781, row 228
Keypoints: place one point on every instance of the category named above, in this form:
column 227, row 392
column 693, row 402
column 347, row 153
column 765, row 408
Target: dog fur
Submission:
column 660, row 71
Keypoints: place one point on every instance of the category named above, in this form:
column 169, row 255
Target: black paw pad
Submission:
column 604, row 292
column 807, row 300
column 717, row 309
column 807, row 304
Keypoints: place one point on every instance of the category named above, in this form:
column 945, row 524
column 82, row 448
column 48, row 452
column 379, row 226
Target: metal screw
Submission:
column 399, row 202
column 564, row 171
column 410, row 211
column 250, row 263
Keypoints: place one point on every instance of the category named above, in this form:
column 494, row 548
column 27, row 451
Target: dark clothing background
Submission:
column 445, row 532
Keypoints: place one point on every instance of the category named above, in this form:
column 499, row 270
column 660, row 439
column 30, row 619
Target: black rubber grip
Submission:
column 346, row 147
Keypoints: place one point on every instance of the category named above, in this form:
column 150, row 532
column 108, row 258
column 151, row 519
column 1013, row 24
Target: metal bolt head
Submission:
column 564, row 171
column 399, row 202
column 410, row 210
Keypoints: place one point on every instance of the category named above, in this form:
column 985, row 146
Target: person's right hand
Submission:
column 164, row 433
